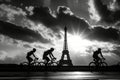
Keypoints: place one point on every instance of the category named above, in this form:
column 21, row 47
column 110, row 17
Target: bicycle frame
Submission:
column 100, row 61
column 34, row 60
column 52, row 60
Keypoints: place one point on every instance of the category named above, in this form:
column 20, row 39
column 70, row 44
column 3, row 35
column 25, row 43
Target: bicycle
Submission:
column 101, row 65
column 35, row 62
column 52, row 62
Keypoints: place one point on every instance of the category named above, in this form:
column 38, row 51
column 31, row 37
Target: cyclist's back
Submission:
column 96, row 53
column 46, row 53
column 29, row 54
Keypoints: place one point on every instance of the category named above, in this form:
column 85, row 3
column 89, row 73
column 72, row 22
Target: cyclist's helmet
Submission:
column 99, row 49
column 34, row 49
column 52, row 49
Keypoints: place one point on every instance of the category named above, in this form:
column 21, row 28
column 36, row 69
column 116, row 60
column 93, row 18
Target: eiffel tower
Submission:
column 65, row 52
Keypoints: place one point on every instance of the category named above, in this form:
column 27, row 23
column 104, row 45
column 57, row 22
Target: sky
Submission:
column 40, row 24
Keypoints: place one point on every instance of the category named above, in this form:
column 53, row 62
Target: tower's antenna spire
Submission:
column 65, row 39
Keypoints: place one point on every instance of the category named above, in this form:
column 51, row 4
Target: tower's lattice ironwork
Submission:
column 65, row 58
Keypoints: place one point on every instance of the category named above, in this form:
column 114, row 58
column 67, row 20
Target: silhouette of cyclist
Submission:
column 30, row 54
column 48, row 55
column 96, row 53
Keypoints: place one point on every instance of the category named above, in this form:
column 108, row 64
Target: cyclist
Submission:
column 48, row 54
column 96, row 53
column 30, row 54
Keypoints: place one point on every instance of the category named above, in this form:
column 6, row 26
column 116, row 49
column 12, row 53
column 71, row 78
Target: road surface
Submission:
column 59, row 75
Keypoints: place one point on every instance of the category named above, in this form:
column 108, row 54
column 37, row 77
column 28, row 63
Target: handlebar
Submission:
column 102, row 59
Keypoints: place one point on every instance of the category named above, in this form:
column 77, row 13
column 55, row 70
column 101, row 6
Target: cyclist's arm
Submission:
column 51, row 56
column 101, row 54
column 34, row 55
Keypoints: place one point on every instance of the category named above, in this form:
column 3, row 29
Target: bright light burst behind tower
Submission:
column 77, row 43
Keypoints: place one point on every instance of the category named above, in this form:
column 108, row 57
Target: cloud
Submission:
column 9, row 60
column 13, row 14
column 114, row 5
column 34, row 32
column 20, row 33
column 3, row 55
column 42, row 14
column 11, row 11
column 109, row 13
column 73, row 22
column 105, row 34
column 48, row 26
column 27, row 46
column 30, row 9
column 37, row 36
column 116, row 50
column 64, row 16
column 5, row 0
column 93, row 12
column 65, row 10
column 8, row 40
column 1, row 38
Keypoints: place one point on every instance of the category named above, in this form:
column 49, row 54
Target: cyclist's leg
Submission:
column 30, row 60
column 98, row 61
column 95, row 58
column 47, row 60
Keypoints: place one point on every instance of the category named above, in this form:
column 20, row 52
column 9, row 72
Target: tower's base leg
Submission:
column 65, row 63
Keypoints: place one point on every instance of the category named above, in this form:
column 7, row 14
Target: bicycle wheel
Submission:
column 41, row 64
column 92, row 66
column 36, row 64
column 24, row 63
column 103, row 64
column 53, row 64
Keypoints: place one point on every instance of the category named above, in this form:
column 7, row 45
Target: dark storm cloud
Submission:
column 27, row 46
column 20, row 33
column 108, row 14
column 5, row 0
column 56, row 3
column 42, row 14
column 102, row 34
column 23, row 3
column 63, row 17
column 117, row 51
column 72, row 21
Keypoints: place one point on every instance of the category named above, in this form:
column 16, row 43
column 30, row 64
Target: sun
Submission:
column 77, row 43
